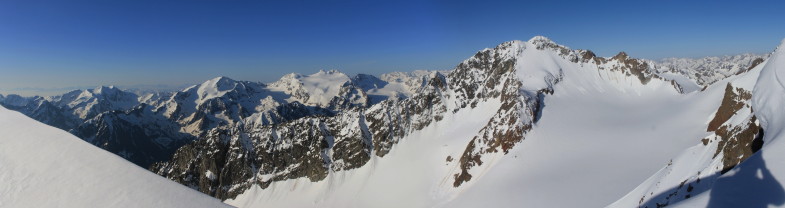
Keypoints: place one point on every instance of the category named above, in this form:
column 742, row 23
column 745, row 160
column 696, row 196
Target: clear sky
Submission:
column 47, row 47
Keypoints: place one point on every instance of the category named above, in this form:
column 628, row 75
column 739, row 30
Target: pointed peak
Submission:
column 288, row 78
column 220, row 79
column 291, row 76
column 365, row 77
column 539, row 38
column 621, row 55
column 105, row 89
column 219, row 83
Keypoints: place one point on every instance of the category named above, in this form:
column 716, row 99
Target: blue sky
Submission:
column 47, row 47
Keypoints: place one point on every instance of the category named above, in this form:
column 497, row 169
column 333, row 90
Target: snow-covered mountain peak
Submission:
column 290, row 77
column 621, row 56
column 328, row 75
column 215, row 87
column 105, row 89
column 314, row 89
column 539, row 38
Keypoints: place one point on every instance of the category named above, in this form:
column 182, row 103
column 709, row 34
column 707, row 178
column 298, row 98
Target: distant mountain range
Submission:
column 526, row 123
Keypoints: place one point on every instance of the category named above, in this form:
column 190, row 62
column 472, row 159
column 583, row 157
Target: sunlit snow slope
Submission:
column 600, row 134
column 756, row 182
column 602, row 131
column 41, row 166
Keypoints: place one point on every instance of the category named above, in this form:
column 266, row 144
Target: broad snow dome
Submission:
column 215, row 87
column 324, row 85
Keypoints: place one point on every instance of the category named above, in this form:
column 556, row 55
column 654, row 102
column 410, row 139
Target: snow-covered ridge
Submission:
column 484, row 134
column 47, row 167
column 108, row 116
column 736, row 163
column 512, row 158
column 510, row 84
column 708, row 70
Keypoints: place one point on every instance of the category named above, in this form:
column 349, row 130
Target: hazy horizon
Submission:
column 50, row 47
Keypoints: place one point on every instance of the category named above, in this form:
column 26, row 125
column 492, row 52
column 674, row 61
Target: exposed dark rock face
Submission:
column 513, row 118
column 753, row 64
column 313, row 146
column 48, row 113
column 521, row 108
column 138, row 135
column 736, row 141
column 390, row 120
column 224, row 143
column 350, row 96
column 733, row 100
column 309, row 147
column 737, row 136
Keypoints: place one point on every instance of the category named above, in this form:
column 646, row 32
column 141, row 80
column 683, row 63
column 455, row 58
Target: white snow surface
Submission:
column 413, row 174
column 708, row 70
column 757, row 182
column 320, row 87
column 601, row 134
column 41, row 166
column 602, row 140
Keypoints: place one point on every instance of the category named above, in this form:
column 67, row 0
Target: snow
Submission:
column 757, row 182
column 46, row 167
column 324, row 85
column 213, row 88
column 415, row 170
column 319, row 88
column 210, row 175
column 708, row 70
column 536, row 69
column 687, row 84
column 753, row 183
column 601, row 134
column 604, row 139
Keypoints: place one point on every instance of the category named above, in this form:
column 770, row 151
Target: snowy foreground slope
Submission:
column 41, row 166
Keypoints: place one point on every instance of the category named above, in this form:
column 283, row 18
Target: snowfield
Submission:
column 597, row 132
column 601, row 134
column 413, row 174
column 41, row 166
column 757, row 182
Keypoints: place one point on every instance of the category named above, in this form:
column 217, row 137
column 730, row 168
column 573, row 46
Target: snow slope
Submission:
column 46, row 167
column 601, row 133
column 756, row 182
column 413, row 174
column 315, row 89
